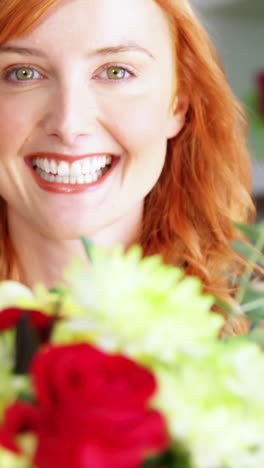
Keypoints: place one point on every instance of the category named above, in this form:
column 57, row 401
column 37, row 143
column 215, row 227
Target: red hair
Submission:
column 205, row 183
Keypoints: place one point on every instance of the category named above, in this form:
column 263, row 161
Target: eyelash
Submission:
column 7, row 76
column 128, row 70
column 15, row 68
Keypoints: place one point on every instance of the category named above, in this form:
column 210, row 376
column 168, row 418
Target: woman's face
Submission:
column 86, row 113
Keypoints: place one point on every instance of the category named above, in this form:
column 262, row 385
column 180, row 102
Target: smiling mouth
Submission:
column 84, row 171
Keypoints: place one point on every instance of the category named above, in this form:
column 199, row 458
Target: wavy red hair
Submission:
column 205, row 183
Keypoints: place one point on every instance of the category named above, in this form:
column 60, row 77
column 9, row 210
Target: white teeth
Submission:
column 81, row 179
column 46, row 165
column 94, row 164
column 63, row 169
column 84, row 171
column 53, row 167
column 83, row 167
column 88, row 178
column 75, row 169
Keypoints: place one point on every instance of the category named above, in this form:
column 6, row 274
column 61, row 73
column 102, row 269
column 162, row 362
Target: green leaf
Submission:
column 255, row 316
column 256, row 122
column 252, row 101
column 88, row 245
column 25, row 396
column 223, row 305
column 60, row 290
column 253, row 304
column 257, row 336
column 252, row 232
column 248, row 252
column 170, row 459
column 27, row 344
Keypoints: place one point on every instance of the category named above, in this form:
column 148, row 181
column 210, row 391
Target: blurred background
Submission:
column 236, row 28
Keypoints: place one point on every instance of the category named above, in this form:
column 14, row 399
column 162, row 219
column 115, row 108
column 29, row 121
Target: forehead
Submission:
column 101, row 22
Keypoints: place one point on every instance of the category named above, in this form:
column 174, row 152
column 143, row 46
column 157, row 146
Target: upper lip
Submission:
column 66, row 157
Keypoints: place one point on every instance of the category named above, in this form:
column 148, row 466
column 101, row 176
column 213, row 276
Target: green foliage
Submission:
column 256, row 122
column 250, row 293
column 173, row 458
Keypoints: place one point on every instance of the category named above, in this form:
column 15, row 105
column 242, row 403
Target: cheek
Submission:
column 139, row 127
column 16, row 123
column 139, row 124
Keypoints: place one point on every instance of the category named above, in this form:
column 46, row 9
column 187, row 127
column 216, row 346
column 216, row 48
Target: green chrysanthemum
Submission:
column 58, row 301
column 214, row 405
column 140, row 306
column 13, row 293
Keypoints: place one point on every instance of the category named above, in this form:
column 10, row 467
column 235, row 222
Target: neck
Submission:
column 42, row 259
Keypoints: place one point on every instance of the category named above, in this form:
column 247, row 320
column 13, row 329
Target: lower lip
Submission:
column 56, row 187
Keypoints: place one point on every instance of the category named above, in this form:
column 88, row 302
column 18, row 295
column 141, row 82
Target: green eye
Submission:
column 116, row 73
column 24, row 74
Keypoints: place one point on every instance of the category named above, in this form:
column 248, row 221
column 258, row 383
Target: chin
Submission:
column 67, row 223
column 66, row 232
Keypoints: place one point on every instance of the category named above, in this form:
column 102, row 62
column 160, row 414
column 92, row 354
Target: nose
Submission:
column 70, row 114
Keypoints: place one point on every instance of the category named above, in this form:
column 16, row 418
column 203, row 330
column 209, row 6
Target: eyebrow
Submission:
column 104, row 51
column 22, row 51
column 127, row 47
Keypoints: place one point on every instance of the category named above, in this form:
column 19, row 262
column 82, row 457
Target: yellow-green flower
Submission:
column 141, row 306
column 11, row 460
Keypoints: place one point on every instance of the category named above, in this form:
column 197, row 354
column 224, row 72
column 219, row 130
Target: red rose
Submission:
column 91, row 410
column 10, row 317
column 260, row 83
column 19, row 418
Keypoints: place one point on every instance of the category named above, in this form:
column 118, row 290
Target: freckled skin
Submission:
column 73, row 108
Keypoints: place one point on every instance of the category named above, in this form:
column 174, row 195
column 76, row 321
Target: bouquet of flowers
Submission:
column 125, row 369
